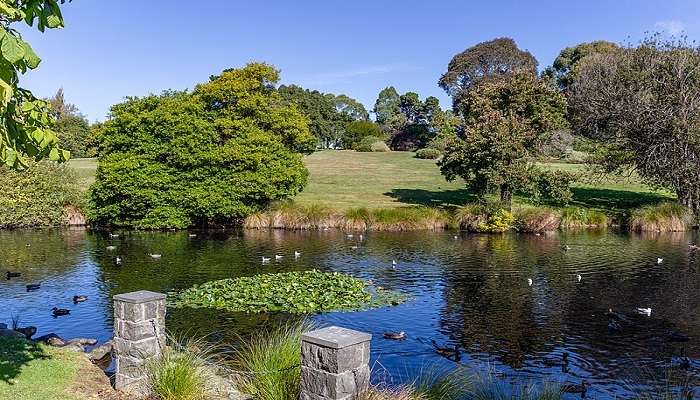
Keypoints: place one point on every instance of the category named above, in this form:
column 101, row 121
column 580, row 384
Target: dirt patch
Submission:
column 92, row 383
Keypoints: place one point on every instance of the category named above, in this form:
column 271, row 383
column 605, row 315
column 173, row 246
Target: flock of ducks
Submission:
column 32, row 287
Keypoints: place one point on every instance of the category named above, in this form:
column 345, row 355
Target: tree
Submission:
column 642, row 104
column 350, row 107
column 207, row 157
column 505, row 122
column 494, row 58
column 25, row 130
column 71, row 127
column 387, row 105
column 355, row 131
column 564, row 69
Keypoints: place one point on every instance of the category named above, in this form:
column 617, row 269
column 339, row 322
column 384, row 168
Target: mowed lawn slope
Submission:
column 345, row 179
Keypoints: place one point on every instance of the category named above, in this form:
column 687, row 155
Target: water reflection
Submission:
column 471, row 291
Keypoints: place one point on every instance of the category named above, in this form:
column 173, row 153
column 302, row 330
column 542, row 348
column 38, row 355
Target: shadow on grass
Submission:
column 15, row 354
column 615, row 200
column 433, row 198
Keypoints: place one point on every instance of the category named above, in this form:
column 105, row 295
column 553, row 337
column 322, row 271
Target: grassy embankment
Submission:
column 31, row 371
column 381, row 191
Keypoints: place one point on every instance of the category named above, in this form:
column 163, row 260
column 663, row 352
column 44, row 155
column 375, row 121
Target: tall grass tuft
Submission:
column 664, row 217
column 357, row 219
column 490, row 387
column 404, row 392
column 453, row 385
column 580, row 218
column 270, row 363
column 182, row 372
column 536, row 219
column 293, row 216
column 409, row 219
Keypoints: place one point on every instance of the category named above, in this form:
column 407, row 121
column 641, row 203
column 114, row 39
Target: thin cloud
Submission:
column 672, row 27
column 330, row 78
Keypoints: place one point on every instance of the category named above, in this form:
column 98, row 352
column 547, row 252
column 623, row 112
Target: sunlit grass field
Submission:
column 347, row 179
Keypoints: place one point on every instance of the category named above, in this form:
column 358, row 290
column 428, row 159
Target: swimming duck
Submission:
column 192, row 235
column 111, row 248
column 155, row 256
column 581, row 388
column 11, row 275
column 393, row 264
column 33, row 286
column 59, row 311
column 113, row 235
column 395, row 335
column 354, row 247
column 350, row 236
column 566, row 247
column 579, row 277
column 455, row 237
column 79, row 299
column 644, row 311
column 278, row 257
column 265, row 259
column 558, row 363
column 614, row 326
column 529, row 281
column 297, row 254
column 659, row 261
column 693, row 247
column 117, row 260
column 448, row 352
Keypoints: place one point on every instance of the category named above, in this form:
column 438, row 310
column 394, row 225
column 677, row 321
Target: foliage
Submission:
column 212, row 156
column 506, row 122
column 355, row 131
column 72, row 128
column 386, row 106
column 536, row 219
column 371, row 144
column 565, row 67
column 428, row 153
column 270, row 361
column 554, row 186
column 180, row 373
column 559, row 145
column 577, row 217
column 484, row 217
column 25, row 131
column 37, row 197
column 295, row 292
column 664, row 217
column 642, row 105
column 495, row 58
column 328, row 114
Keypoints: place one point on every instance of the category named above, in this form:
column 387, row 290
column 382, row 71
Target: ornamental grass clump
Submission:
column 478, row 217
column 579, row 218
column 408, row 219
column 664, row 217
column 536, row 219
column 269, row 363
column 294, row 292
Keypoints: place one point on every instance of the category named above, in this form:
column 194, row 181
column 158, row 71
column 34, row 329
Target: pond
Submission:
column 470, row 290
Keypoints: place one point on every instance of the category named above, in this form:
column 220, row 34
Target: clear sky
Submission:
column 113, row 49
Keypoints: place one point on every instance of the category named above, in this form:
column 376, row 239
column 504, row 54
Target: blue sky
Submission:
column 113, row 49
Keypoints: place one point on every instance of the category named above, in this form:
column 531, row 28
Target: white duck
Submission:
column 297, row 254
column 645, row 311
column 265, row 259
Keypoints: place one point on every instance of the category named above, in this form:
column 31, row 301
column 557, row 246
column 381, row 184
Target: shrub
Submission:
column 212, row 156
column 358, row 131
column 279, row 351
column 478, row 217
column 577, row 217
column 181, row 373
column 45, row 194
column 553, row 186
column 428, row 154
column 664, row 217
column 379, row 147
column 536, row 219
column 371, row 144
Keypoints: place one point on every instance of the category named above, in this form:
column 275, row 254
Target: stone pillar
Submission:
column 334, row 364
column 139, row 334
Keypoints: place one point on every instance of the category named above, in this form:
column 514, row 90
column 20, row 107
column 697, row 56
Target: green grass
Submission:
column 181, row 372
column 36, row 372
column 347, row 179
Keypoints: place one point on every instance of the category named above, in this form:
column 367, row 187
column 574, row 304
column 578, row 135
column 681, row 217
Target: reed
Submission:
column 664, row 217
column 582, row 218
column 536, row 219
column 409, row 219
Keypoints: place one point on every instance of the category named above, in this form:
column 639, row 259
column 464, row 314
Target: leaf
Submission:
column 54, row 21
column 11, row 48
column 54, row 155
column 30, row 56
column 6, row 92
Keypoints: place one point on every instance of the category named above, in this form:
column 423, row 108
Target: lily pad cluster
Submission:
column 295, row 292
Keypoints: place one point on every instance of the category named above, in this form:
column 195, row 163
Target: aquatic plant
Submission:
column 536, row 219
column 269, row 363
column 478, row 217
column 664, row 217
column 408, row 219
column 295, row 292
column 577, row 217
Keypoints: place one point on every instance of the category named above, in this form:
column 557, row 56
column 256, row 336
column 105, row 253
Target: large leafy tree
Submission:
column 507, row 114
column 642, row 104
column 25, row 121
column 387, row 105
column 71, row 127
column 564, row 69
column 494, row 58
column 212, row 156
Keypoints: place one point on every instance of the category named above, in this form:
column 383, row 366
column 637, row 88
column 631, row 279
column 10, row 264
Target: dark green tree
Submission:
column 355, row 131
column 71, row 127
column 387, row 105
column 563, row 70
column 212, row 156
column 641, row 104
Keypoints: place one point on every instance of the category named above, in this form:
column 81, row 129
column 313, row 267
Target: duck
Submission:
column 354, row 247
column 111, row 248
column 581, row 388
column 395, row 335
column 455, row 237
column 558, row 363
column 676, row 336
column 113, row 235
column 684, row 362
column 659, row 261
column 278, row 257
column 579, row 277
column 529, row 281
column 448, row 352
column 11, row 275
column 297, row 254
column 117, row 260
column 350, row 236
column 361, row 237
column 693, row 247
column 265, row 259
column 79, row 298
column 155, row 256
column 614, row 326
column 566, row 247
column 644, row 311
column 33, row 286
column 192, row 235
column 57, row 312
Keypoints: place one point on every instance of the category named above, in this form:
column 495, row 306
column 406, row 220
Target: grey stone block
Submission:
column 135, row 330
column 335, row 360
column 336, row 337
column 139, row 297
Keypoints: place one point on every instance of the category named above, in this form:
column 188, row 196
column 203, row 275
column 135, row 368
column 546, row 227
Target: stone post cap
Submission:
column 336, row 337
column 141, row 296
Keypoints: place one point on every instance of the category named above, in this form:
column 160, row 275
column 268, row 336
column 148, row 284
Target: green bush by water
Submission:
column 478, row 217
column 295, row 292
column 664, row 217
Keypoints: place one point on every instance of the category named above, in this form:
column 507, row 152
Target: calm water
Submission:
column 472, row 291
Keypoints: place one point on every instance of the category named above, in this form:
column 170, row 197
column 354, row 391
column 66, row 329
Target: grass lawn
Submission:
column 345, row 179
